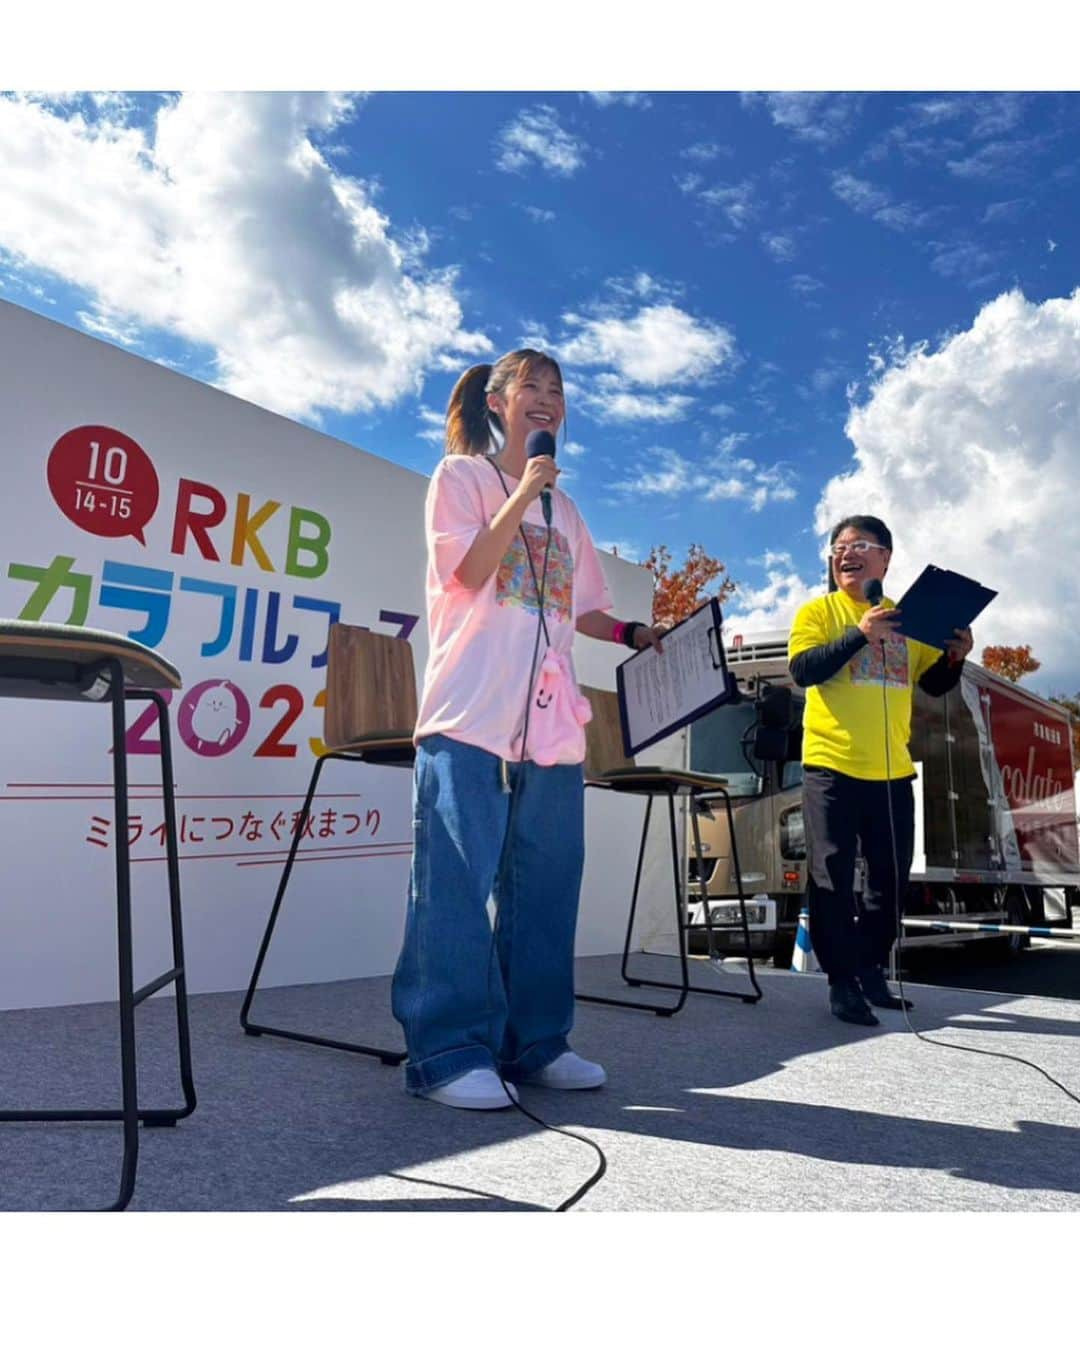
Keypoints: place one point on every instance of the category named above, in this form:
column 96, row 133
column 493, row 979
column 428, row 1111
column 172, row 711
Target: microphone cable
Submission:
column 540, row 585
column 947, row 1045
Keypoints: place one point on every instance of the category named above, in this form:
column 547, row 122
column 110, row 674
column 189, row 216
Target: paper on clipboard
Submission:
column 658, row 694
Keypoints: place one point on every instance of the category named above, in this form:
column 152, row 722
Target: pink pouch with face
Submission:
column 557, row 716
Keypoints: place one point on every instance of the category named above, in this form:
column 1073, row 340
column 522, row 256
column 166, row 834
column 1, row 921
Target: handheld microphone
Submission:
column 872, row 593
column 541, row 443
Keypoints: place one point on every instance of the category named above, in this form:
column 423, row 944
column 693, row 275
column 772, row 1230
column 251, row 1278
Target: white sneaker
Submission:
column 568, row 1072
column 477, row 1090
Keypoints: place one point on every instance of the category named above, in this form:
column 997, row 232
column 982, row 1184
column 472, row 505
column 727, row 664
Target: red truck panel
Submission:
column 1033, row 749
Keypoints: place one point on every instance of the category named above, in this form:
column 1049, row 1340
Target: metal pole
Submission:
column 940, row 926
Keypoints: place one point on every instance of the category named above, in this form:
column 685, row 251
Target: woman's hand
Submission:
column 649, row 637
column 540, row 472
column 879, row 623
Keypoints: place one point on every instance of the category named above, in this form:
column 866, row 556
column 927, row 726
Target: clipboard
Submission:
column 937, row 602
column 658, row 695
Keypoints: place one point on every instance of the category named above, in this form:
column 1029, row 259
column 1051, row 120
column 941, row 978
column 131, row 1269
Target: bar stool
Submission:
column 608, row 768
column 369, row 716
column 88, row 665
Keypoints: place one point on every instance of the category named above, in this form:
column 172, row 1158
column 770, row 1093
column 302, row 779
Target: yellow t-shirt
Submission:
column 843, row 723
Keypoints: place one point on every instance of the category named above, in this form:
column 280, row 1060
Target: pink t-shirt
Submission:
column 481, row 642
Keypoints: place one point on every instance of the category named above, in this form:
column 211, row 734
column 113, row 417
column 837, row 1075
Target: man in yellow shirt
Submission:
column 859, row 673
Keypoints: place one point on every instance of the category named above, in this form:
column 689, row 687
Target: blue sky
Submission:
column 770, row 308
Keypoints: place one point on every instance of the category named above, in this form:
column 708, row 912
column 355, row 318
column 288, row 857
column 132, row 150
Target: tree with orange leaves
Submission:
column 678, row 591
column 1012, row 663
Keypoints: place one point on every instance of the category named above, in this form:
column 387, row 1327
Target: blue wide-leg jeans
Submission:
column 463, row 1002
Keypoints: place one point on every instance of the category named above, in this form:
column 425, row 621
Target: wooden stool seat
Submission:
column 656, row 779
column 394, row 748
column 56, row 661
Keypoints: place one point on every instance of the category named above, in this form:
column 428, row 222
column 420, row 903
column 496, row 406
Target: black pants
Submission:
column 841, row 812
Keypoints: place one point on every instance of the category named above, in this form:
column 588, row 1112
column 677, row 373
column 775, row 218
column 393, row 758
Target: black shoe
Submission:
column 847, row 1003
column 872, row 983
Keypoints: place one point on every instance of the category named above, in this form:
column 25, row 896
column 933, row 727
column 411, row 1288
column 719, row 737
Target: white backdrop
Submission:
column 244, row 723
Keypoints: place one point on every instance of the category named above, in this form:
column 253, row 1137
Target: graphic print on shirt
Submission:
column 514, row 583
column 865, row 666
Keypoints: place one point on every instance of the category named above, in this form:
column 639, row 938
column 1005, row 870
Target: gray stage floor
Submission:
column 726, row 1107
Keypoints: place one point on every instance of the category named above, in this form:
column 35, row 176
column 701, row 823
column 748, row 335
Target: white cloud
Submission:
column 756, row 609
column 617, row 404
column 622, row 548
column 721, row 476
column 1007, row 211
column 771, row 558
column 829, row 373
column 607, row 99
column 774, row 484
column 222, row 224
column 572, row 448
column 660, row 344
column 988, row 114
column 105, row 323
column 868, row 200
column 780, row 247
column 434, row 424
column 820, row 119
column 998, row 159
column 537, row 137
column 662, row 472
column 642, row 286
column 540, row 214
column 736, row 201
column 964, row 259
column 971, row 453
column 703, row 151
column 860, row 195
column 802, row 284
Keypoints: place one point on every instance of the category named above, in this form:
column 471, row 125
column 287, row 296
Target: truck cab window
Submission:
column 716, row 747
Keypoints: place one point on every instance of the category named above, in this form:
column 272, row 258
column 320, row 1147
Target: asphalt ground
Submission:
column 1047, row 969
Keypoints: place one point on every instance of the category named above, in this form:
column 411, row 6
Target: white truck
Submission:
column 995, row 821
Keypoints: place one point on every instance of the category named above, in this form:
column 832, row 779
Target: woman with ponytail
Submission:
column 498, row 792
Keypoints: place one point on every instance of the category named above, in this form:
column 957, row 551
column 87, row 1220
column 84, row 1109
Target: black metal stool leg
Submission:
column 172, row 855
column 699, row 861
column 634, row 896
column 635, row 982
column 682, row 924
column 124, row 941
column 747, row 998
column 681, row 904
column 129, row 997
column 390, row 1057
column 685, row 987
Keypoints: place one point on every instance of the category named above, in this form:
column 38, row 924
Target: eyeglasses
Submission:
column 854, row 546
